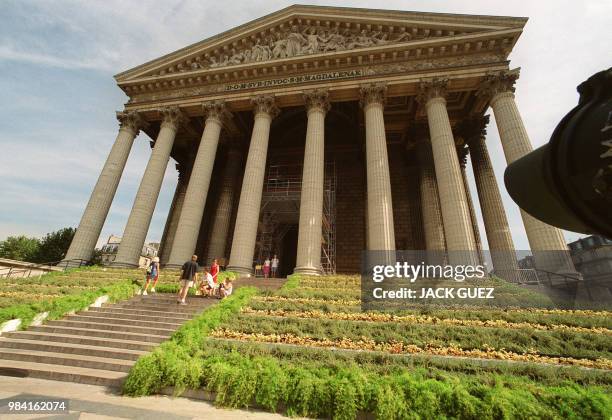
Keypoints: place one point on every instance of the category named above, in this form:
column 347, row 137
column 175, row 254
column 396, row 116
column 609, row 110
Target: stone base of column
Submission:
column 119, row 264
column 308, row 271
column 172, row 266
column 241, row 271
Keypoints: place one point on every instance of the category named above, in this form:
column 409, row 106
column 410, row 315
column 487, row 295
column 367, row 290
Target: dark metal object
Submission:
column 568, row 182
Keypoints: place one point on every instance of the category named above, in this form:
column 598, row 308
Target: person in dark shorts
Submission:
column 189, row 274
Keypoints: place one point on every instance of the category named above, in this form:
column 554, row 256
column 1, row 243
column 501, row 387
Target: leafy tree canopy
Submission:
column 19, row 248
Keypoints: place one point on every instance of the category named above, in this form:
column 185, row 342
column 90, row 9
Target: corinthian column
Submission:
column 453, row 202
column 225, row 205
column 381, row 235
column 197, row 190
column 462, row 153
column 547, row 242
column 493, row 213
column 138, row 223
column 94, row 216
column 175, row 214
column 311, row 202
column 433, row 226
column 245, row 231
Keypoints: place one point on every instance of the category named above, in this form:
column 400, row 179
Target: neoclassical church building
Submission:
column 315, row 133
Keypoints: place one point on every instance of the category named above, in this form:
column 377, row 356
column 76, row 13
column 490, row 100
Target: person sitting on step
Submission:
column 225, row 288
column 207, row 287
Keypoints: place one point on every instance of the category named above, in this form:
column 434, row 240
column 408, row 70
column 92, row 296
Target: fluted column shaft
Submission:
column 96, row 211
column 516, row 144
column 473, row 219
column 247, row 218
column 381, row 234
column 173, row 220
column 146, row 198
column 308, row 259
column 197, row 190
column 225, row 205
column 492, row 208
column 430, row 202
column 459, row 234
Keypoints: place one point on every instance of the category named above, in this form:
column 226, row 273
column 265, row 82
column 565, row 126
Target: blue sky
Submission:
column 58, row 97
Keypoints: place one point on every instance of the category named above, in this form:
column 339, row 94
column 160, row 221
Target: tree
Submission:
column 19, row 248
column 54, row 245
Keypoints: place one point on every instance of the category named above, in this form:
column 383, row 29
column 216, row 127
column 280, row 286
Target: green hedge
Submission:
column 58, row 307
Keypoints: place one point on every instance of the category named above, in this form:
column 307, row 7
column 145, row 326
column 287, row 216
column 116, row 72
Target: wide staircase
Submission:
column 99, row 345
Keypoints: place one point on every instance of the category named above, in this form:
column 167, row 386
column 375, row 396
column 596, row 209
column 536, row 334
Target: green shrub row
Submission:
column 467, row 313
column 382, row 363
column 58, row 307
column 550, row 343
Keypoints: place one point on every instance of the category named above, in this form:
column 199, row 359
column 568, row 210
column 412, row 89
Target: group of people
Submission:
column 209, row 286
column 270, row 266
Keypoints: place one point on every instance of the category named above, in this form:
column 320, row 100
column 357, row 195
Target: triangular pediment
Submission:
column 299, row 33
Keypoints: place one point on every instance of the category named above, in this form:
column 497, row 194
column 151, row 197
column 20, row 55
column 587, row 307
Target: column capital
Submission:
column 474, row 128
column 317, row 99
column 131, row 120
column 265, row 104
column 172, row 116
column 216, row 110
column 497, row 83
column 432, row 89
column 373, row 93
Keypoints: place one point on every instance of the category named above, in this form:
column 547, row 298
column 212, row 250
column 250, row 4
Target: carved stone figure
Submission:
column 312, row 40
column 294, row 42
column 279, row 49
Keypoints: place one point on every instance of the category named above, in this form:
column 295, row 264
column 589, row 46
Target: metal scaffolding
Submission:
column 280, row 211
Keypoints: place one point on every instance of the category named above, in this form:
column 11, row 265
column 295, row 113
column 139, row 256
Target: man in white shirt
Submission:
column 274, row 265
column 208, row 283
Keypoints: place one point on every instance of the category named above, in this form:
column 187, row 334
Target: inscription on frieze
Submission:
column 282, row 81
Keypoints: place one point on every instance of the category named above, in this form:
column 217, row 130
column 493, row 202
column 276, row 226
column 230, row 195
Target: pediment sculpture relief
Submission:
column 298, row 41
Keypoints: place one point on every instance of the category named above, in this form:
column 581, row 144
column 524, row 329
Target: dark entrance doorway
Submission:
column 288, row 252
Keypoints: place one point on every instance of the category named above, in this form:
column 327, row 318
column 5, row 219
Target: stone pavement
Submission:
column 97, row 402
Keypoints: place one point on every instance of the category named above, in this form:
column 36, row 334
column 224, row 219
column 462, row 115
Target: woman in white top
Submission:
column 274, row 265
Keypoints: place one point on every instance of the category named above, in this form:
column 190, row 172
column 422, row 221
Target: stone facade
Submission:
column 319, row 132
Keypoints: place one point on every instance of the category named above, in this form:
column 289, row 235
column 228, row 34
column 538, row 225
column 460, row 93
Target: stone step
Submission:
column 133, row 312
column 122, row 320
column 111, row 327
column 134, row 317
column 102, row 333
column 81, row 375
column 169, row 299
column 70, row 348
column 161, row 307
column 77, row 339
column 90, row 362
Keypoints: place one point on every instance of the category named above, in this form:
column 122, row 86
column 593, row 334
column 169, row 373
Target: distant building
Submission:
column 109, row 251
column 592, row 257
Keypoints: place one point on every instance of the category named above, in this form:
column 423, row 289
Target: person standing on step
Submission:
column 214, row 270
column 266, row 267
column 274, row 265
column 152, row 274
column 189, row 274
